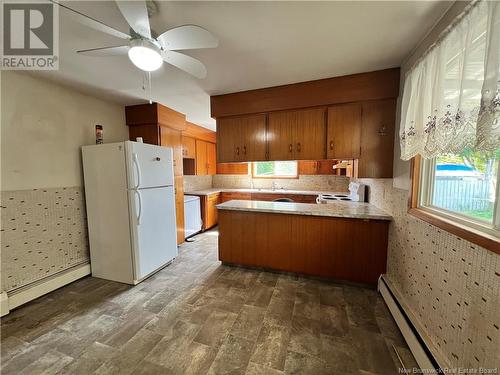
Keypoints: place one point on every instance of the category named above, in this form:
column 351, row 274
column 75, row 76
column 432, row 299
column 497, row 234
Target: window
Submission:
column 462, row 188
column 274, row 169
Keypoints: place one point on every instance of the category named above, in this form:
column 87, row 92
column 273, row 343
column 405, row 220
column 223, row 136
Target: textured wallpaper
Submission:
column 451, row 285
column 44, row 231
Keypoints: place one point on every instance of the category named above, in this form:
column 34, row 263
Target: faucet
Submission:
column 275, row 185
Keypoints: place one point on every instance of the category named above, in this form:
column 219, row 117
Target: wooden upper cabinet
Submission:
column 241, row 139
column 172, row 138
column 253, row 138
column 344, row 131
column 205, row 158
column 227, row 140
column 211, row 158
column 280, row 135
column 232, row 168
column 308, row 167
column 310, row 134
column 188, row 147
column 377, row 139
column 145, row 114
column 201, row 158
column 297, row 135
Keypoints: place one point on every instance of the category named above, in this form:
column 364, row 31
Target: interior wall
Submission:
column 43, row 126
column 451, row 285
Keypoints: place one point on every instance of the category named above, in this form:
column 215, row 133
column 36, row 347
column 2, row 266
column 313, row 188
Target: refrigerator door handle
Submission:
column 139, row 214
column 138, row 169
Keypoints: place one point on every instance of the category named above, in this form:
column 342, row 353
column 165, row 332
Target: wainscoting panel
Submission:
column 44, row 232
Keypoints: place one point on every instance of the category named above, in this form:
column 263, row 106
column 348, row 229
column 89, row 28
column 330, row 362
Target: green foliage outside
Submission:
column 484, row 162
column 276, row 168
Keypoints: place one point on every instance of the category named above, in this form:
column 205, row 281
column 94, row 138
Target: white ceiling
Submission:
column 261, row 44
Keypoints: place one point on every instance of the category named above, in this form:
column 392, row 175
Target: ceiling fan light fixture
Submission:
column 145, row 55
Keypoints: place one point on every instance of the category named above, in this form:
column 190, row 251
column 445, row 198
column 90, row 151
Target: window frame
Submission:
column 457, row 224
column 254, row 165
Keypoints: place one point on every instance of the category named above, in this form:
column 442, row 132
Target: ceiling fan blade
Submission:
column 136, row 14
column 105, row 51
column 187, row 37
column 92, row 23
column 184, row 62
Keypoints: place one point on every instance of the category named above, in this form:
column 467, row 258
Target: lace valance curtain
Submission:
column 451, row 97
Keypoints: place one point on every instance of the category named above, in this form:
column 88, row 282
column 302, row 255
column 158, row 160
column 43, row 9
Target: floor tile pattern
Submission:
column 199, row 317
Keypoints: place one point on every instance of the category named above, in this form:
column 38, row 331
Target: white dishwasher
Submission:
column 192, row 215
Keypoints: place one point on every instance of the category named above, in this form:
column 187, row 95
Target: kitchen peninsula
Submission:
column 340, row 240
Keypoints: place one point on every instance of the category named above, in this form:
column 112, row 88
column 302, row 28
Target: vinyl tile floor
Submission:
column 197, row 316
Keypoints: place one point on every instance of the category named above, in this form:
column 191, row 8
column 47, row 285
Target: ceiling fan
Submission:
column 145, row 50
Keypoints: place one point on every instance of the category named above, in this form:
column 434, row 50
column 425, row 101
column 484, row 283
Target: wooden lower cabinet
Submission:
column 338, row 248
column 299, row 198
column 228, row 196
column 179, row 207
column 210, row 212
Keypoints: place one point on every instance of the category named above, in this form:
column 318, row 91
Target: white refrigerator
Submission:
column 130, row 204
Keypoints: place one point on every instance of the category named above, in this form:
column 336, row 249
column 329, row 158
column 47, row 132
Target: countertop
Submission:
column 267, row 191
column 355, row 210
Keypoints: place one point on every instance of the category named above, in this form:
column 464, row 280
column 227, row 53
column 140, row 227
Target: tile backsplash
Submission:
column 304, row 182
column 44, row 231
column 193, row 183
column 450, row 285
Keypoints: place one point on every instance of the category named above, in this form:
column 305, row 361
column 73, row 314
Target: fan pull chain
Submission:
column 149, row 82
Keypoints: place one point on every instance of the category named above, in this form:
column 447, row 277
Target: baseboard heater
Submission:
column 423, row 356
column 15, row 298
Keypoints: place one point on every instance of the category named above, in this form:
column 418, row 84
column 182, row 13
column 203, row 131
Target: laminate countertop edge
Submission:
column 339, row 209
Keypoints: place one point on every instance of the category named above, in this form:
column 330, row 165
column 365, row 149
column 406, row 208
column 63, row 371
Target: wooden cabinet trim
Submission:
column 375, row 85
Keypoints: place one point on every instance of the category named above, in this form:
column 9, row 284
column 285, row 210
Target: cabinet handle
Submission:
column 245, row 150
column 290, row 148
column 331, row 145
column 298, row 147
column 237, row 150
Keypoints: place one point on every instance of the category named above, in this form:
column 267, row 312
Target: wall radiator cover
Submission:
column 416, row 342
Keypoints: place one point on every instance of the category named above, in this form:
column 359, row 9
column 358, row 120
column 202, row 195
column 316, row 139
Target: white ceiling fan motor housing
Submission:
column 145, row 54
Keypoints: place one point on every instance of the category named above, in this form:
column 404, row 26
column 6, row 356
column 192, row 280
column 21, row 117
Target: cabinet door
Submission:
column 344, row 131
column 325, row 166
column 173, row 138
column 201, row 158
column 232, row 168
column 228, row 140
column 179, row 207
column 188, row 147
column 211, row 210
column 253, row 142
column 308, row 167
column 211, row 159
column 280, row 135
column 309, row 134
column 377, row 139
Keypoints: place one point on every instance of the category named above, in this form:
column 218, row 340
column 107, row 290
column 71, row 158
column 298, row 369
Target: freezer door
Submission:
column 149, row 165
column 153, row 229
